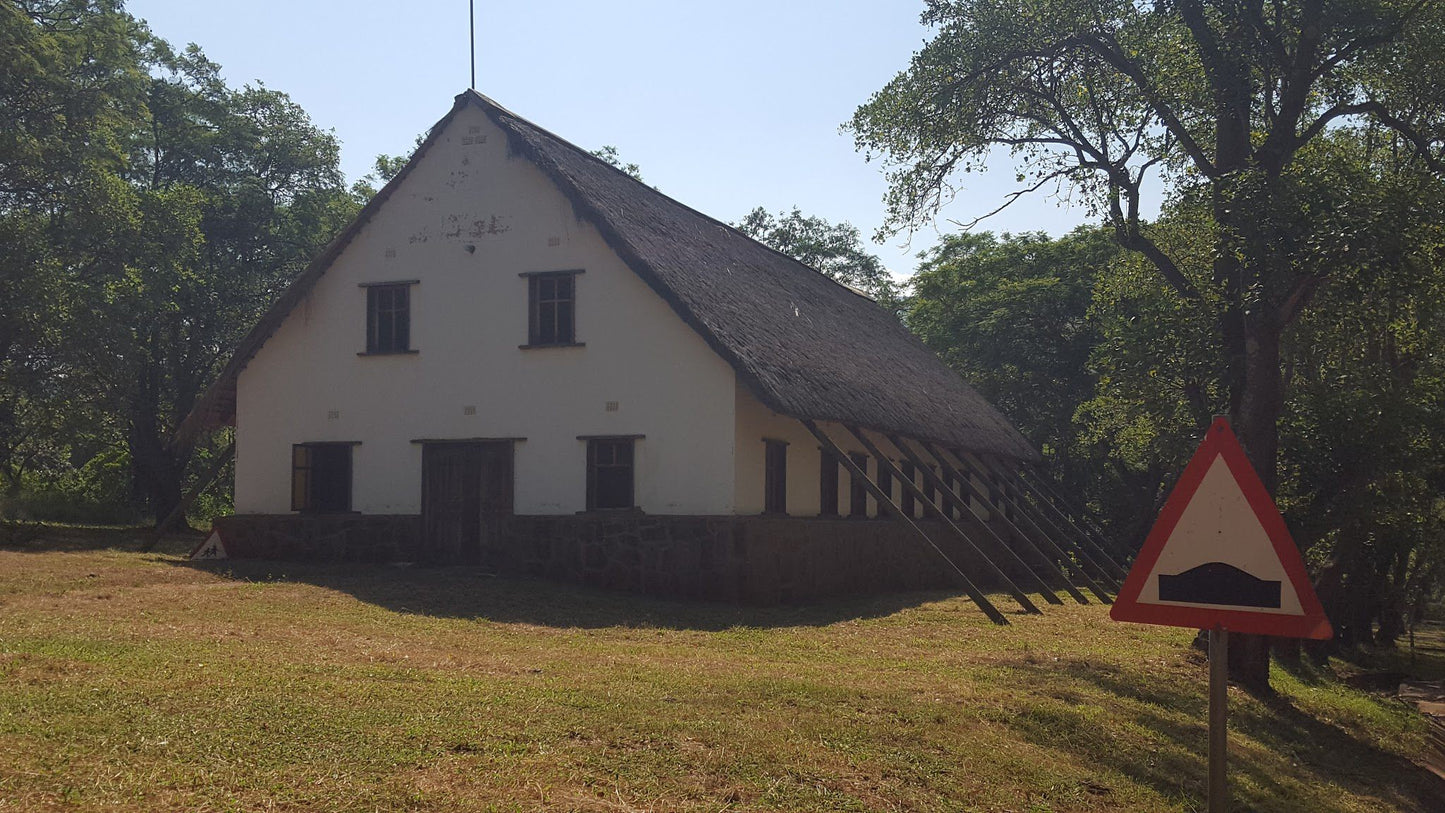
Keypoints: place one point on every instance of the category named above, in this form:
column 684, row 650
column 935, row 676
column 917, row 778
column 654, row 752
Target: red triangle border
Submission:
column 1220, row 441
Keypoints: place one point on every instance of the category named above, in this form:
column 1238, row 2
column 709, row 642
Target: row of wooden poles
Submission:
column 1051, row 543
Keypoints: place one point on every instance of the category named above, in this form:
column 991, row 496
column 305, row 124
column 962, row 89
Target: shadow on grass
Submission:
column 1176, row 714
column 470, row 592
column 36, row 537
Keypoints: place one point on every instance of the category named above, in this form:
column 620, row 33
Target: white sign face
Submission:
column 1219, row 553
column 212, row 548
column 1220, row 556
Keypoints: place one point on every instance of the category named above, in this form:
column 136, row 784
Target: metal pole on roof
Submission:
column 472, row 35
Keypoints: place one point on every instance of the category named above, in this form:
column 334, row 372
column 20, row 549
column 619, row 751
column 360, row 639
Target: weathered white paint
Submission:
column 756, row 423
column 468, row 316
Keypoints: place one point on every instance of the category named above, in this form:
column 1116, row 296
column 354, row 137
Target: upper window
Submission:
column 321, row 477
column 609, row 473
column 552, row 312
column 775, row 478
column 388, row 318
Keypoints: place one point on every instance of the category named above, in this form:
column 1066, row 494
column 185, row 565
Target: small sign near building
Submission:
column 212, row 547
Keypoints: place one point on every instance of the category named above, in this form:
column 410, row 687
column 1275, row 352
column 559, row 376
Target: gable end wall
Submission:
column 468, row 316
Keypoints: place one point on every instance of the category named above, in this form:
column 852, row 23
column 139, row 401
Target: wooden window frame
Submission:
column 828, row 466
column 907, row 503
column 595, row 464
column 857, row 491
column 775, row 477
column 952, row 483
column 388, row 316
column 540, row 303
column 304, row 483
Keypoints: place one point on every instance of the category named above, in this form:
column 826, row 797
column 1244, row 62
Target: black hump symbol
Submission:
column 1219, row 583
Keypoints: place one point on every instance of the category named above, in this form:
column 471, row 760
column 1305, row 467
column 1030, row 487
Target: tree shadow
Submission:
column 1179, row 767
column 457, row 591
column 38, row 537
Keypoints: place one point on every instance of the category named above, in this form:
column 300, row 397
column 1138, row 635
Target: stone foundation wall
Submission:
column 753, row 560
column 322, row 537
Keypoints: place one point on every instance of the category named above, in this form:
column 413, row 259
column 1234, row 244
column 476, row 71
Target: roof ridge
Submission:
column 849, row 361
column 476, row 96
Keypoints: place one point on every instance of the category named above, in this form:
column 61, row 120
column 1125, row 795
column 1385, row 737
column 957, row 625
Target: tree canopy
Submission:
column 152, row 212
column 836, row 249
column 1223, row 102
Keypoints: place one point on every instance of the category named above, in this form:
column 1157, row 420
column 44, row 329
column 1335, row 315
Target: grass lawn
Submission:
column 134, row 681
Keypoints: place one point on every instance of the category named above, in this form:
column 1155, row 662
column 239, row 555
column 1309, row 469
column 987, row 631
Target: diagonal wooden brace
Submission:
column 972, row 490
column 930, row 507
column 1073, row 512
column 1040, row 544
column 885, row 501
column 1029, row 505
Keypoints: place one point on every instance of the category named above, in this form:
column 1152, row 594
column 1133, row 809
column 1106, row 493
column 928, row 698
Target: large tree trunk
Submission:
column 1256, row 421
column 157, row 472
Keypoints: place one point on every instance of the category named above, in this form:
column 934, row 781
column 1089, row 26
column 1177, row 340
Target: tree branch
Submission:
column 1108, row 50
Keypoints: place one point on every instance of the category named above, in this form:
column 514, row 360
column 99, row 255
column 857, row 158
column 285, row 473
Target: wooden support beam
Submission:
column 1036, row 475
column 1039, row 543
column 970, row 489
column 1061, row 519
column 1048, row 516
column 1044, row 520
column 847, row 463
column 179, row 512
column 1031, row 517
column 929, row 507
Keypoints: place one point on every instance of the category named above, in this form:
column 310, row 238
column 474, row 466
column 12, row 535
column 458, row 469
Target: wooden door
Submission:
column 466, row 492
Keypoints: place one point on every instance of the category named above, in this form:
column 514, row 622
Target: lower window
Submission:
column 775, row 477
column 321, row 476
column 857, row 492
column 828, row 485
column 609, row 473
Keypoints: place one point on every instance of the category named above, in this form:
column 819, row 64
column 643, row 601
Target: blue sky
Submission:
column 726, row 106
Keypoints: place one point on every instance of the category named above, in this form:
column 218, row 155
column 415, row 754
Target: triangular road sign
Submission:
column 1220, row 556
column 212, row 547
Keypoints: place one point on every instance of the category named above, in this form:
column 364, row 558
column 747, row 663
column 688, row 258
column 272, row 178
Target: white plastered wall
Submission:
column 468, row 317
column 757, row 424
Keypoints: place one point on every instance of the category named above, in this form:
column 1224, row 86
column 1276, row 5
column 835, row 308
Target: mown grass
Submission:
column 137, row 682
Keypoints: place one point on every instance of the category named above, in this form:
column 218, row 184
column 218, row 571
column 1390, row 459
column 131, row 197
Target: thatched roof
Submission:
column 805, row 345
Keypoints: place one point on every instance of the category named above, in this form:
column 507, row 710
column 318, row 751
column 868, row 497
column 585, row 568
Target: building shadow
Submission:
column 466, row 592
column 1178, row 766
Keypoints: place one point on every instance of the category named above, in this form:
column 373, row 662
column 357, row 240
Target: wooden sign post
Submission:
column 1219, row 558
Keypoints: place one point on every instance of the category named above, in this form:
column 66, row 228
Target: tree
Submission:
column 836, row 249
column 1218, row 98
column 383, row 169
column 73, row 84
column 155, row 212
column 229, row 195
column 1010, row 313
column 610, row 155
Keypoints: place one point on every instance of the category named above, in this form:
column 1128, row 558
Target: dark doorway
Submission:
column 466, row 494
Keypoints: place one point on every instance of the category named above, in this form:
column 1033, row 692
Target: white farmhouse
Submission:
column 520, row 355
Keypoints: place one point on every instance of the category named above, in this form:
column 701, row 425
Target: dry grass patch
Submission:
column 138, row 682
